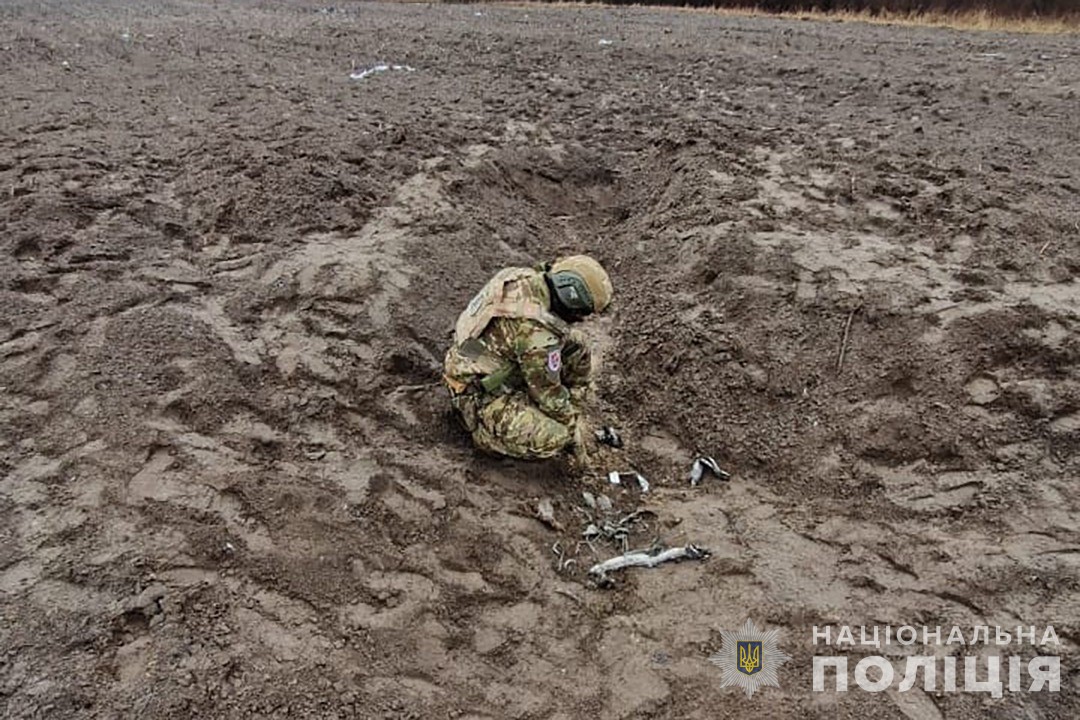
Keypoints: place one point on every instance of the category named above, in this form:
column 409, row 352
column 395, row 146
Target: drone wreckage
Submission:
column 617, row 531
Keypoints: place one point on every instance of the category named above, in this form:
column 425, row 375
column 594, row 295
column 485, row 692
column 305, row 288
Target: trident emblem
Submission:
column 749, row 656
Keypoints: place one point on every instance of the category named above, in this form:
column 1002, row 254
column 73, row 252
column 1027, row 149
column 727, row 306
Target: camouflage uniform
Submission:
column 516, row 371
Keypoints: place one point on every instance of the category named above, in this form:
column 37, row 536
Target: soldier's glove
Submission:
column 576, row 359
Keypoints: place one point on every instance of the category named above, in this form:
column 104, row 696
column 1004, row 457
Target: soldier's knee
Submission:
column 550, row 440
column 522, row 432
column 485, row 440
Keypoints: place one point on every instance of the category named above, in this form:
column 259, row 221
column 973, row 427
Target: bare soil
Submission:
column 232, row 487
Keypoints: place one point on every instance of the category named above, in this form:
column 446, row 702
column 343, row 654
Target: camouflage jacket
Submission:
column 508, row 340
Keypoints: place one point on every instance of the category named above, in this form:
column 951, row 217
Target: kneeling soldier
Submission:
column 517, row 370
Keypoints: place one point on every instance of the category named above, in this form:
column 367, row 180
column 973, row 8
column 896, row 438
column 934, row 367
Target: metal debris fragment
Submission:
column 616, row 478
column 614, row 531
column 697, row 472
column 642, row 482
column 381, row 67
column 562, row 562
column 570, row 595
column 545, row 513
column 599, row 572
column 608, row 435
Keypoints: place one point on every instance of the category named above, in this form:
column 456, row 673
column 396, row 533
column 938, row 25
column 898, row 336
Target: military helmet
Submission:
column 582, row 285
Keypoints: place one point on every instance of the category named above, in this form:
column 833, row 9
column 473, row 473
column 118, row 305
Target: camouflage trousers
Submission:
column 512, row 425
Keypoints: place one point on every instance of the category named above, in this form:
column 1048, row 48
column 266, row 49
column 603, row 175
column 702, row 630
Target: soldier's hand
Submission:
column 577, row 360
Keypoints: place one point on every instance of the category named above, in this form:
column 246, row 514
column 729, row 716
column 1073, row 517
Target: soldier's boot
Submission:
column 585, row 457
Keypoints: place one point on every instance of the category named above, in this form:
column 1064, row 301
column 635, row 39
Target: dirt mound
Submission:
column 844, row 260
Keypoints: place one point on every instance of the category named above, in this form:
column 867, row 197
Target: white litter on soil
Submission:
column 382, row 67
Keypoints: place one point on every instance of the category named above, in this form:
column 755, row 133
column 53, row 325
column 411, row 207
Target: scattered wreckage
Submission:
column 604, row 526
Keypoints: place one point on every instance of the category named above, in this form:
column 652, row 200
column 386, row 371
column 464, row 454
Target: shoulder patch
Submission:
column 554, row 361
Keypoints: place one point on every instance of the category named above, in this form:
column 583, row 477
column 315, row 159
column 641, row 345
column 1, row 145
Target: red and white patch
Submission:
column 554, row 361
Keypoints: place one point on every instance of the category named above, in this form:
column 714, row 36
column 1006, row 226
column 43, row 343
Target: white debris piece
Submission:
column 642, row 482
column 616, row 478
column 599, row 572
column 605, row 41
column 697, row 472
column 381, row 67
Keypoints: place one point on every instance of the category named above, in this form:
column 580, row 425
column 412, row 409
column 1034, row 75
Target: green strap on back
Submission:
column 494, row 382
